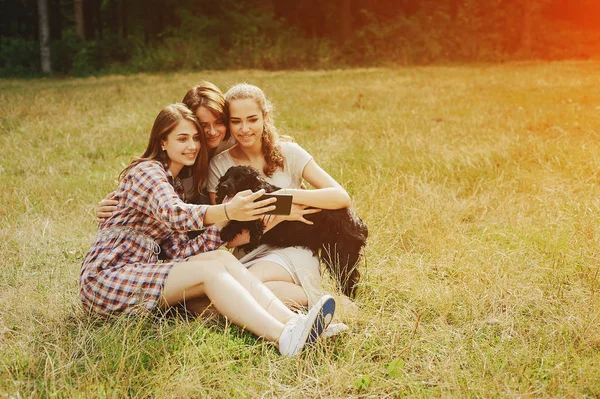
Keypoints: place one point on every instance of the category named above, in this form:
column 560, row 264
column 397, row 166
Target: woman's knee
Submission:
column 225, row 257
column 188, row 280
column 198, row 271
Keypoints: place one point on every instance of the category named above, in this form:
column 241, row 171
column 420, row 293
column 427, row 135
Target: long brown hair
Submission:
column 270, row 148
column 206, row 94
column 166, row 120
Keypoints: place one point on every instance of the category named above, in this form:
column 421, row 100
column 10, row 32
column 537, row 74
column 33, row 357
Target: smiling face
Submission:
column 182, row 146
column 214, row 127
column 246, row 122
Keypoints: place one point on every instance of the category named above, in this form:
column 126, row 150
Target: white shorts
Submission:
column 275, row 258
column 299, row 262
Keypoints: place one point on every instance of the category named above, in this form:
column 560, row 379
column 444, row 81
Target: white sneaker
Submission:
column 305, row 329
column 334, row 329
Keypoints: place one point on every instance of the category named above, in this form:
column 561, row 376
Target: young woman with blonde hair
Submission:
column 293, row 274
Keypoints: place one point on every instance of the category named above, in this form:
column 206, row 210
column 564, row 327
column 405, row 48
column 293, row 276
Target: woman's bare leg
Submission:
column 254, row 286
column 280, row 282
column 292, row 295
column 210, row 277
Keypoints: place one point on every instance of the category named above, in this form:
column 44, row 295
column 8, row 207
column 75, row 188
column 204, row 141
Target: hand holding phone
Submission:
column 283, row 205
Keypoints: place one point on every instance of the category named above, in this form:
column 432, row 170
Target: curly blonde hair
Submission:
column 271, row 150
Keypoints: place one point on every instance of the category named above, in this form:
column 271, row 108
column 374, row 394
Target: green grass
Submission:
column 480, row 186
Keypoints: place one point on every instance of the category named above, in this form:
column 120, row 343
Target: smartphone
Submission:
column 283, row 205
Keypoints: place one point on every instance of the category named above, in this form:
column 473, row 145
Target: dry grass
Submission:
column 480, row 188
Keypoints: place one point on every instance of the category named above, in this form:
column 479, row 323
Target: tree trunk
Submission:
column 44, row 36
column 79, row 20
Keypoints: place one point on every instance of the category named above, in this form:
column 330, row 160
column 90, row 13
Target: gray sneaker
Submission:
column 305, row 329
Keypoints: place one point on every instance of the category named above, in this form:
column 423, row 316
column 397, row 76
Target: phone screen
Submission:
column 283, row 205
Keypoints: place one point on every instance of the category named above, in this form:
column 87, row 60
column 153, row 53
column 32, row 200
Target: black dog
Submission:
column 338, row 236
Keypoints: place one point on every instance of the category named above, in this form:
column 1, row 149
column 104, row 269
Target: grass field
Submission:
column 480, row 186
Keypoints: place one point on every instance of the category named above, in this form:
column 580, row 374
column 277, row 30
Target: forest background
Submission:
column 88, row 37
column 478, row 176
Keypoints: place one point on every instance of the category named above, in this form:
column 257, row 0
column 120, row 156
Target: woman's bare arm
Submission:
column 328, row 193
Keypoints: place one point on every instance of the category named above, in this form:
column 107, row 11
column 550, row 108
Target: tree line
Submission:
column 82, row 37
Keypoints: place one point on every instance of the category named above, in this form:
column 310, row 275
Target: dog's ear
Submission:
column 244, row 182
column 238, row 177
column 246, row 179
column 261, row 182
column 222, row 189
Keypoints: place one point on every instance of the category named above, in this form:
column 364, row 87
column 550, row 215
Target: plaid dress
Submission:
column 121, row 271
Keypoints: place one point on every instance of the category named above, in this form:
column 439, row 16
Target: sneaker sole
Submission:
column 335, row 331
column 322, row 320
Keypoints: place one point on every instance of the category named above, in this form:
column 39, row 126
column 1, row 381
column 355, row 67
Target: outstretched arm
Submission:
column 148, row 190
column 241, row 207
column 179, row 246
column 328, row 193
column 297, row 214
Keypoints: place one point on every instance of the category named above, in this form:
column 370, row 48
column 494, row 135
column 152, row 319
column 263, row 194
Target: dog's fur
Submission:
column 338, row 236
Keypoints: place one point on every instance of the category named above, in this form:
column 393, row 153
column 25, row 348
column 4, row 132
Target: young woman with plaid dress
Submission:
column 122, row 272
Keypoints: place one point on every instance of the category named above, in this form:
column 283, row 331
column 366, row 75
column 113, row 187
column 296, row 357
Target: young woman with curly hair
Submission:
column 293, row 274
